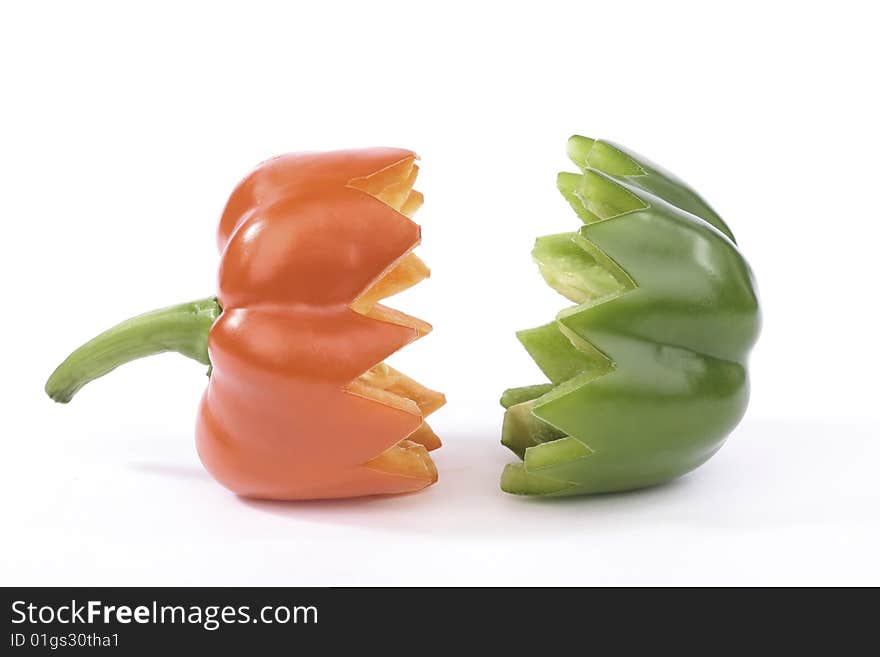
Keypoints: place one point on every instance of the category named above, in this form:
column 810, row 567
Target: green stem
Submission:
column 182, row 328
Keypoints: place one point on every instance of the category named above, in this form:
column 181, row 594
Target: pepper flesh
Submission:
column 648, row 371
column 299, row 402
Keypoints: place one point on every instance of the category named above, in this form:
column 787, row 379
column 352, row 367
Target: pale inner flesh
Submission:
column 382, row 383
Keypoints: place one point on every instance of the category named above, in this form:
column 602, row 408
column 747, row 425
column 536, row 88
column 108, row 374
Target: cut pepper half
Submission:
column 300, row 403
column 359, row 427
column 648, row 370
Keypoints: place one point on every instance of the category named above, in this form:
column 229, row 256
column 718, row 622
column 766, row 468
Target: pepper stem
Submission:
column 182, row 328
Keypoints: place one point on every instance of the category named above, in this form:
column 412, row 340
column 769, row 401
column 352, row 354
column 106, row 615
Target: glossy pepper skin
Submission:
column 299, row 404
column 300, row 243
column 648, row 371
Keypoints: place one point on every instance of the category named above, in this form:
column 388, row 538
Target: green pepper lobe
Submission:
column 648, row 370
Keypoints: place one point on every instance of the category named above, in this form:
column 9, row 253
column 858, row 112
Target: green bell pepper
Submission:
column 648, row 372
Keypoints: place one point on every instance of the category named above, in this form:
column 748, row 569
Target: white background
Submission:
column 124, row 130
